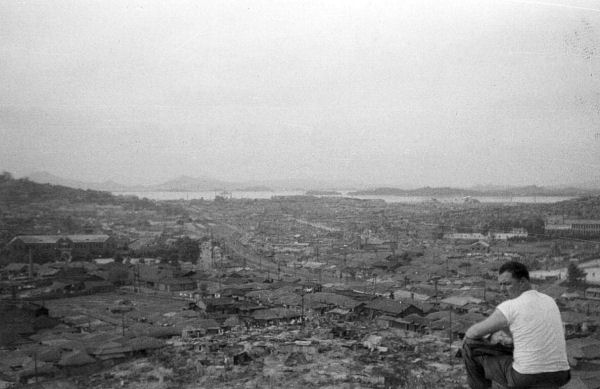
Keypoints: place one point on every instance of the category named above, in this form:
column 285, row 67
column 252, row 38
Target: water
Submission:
column 210, row 195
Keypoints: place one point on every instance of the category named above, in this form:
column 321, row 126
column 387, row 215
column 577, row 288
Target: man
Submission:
column 533, row 320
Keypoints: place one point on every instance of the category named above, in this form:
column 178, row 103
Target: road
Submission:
column 226, row 234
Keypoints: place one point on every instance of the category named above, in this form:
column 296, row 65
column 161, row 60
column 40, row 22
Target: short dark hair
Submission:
column 517, row 269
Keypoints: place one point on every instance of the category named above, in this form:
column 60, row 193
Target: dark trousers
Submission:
column 487, row 363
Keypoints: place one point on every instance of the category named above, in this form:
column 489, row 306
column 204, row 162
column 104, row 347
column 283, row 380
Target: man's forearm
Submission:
column 475, row 332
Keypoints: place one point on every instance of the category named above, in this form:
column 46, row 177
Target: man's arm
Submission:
column 495, row 322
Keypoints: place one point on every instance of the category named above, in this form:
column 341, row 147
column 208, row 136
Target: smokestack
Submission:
column 30, row 264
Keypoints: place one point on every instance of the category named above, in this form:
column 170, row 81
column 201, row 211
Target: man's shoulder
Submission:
column 523, row 298
column 533, row 297
column 536, row 294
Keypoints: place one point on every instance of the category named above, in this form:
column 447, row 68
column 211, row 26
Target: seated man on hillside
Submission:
column 533, row 320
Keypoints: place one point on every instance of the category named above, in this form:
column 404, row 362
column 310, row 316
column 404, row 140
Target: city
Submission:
column 341, row 194
column 303, row 291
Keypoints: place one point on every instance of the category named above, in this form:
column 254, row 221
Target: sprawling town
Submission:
column 307, row 291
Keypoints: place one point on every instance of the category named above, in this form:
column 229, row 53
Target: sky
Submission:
column 395, row 93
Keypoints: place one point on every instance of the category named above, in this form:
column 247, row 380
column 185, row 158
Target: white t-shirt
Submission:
column 537, row 330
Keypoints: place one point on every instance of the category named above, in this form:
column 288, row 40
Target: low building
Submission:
column 391, row 308
column 592, row 293
column 515, row 233
column 465, row 236
column 275, row 316
column 176, row 284
column 559, row 225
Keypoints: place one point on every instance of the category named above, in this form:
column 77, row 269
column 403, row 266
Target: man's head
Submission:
column 513, row 278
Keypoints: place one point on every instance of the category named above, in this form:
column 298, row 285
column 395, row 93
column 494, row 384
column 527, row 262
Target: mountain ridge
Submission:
column 185, row 183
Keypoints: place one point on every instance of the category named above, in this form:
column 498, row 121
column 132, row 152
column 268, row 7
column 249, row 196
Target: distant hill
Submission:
column 23, row 192
column 190, row 184
column 531, row 190
column 193, row 184
column 48, row 178
column 181, row 184
column 205, row 183
column 587, row 207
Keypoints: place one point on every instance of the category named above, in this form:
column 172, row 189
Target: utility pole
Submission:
column 136, row 278
column 450, row 333
column 31, row 266
column 450, row 337
column 302, row 294
column 484, row 290
column 35, row 369
column 374, row 278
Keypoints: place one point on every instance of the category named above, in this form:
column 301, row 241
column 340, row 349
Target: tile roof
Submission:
column 89, row 238
column 332, row 299
column 145, row 343
column 387, row 305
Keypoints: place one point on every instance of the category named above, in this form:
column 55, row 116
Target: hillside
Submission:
column 23, row 191
column 27, row 207
column 587, row 207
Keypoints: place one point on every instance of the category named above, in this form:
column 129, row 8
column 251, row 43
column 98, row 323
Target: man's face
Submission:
column 511, row 286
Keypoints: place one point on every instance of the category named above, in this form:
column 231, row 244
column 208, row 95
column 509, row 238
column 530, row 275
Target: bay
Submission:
column 210, row 195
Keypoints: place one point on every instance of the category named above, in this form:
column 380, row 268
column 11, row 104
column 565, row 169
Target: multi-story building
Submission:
column 64, row 247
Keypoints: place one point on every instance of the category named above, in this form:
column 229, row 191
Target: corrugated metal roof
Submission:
column 386, row 305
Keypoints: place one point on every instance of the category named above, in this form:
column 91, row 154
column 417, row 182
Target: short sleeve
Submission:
column 507, row 309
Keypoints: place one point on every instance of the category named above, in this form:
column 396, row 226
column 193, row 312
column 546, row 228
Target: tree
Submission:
column 187, row 249
column 6, row 176
column 575, row 275
column 118, row 275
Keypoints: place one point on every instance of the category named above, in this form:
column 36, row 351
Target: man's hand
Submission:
column 501, row 337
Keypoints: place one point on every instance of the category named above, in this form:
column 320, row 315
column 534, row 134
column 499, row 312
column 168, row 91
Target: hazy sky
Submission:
column 404, row 93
